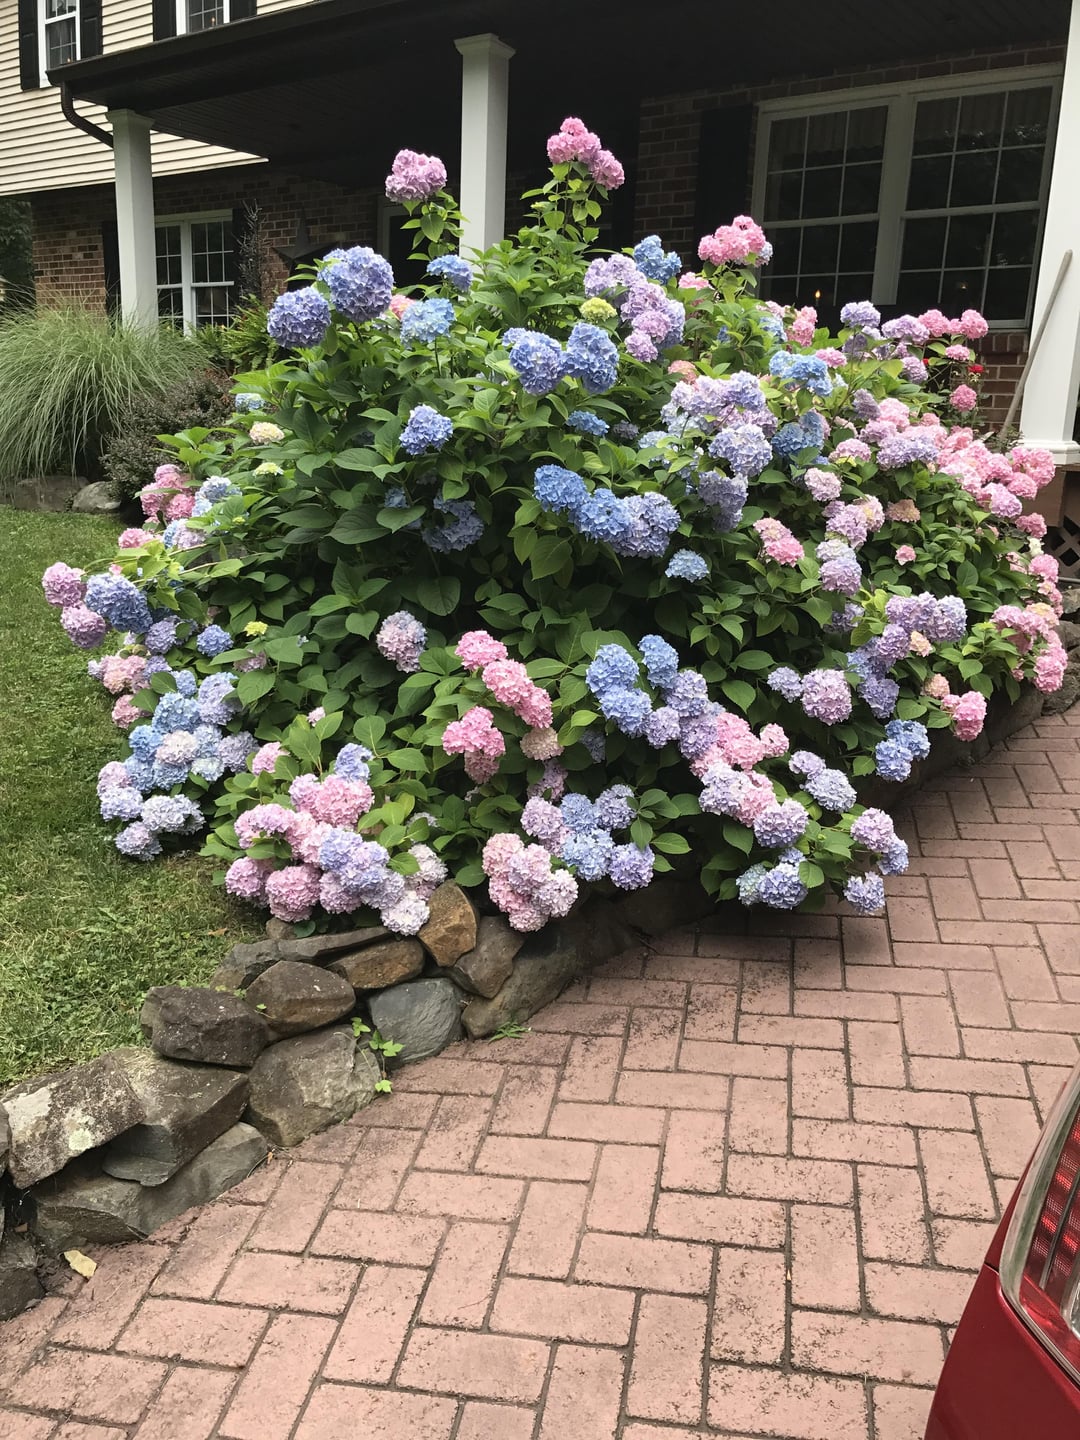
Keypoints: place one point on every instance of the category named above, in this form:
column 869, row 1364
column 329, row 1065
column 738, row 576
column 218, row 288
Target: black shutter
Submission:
column 164, row 19
column 241, row 9
column 89, row 28
column 239, row 238
column 29, row 60
column 110, row 254
column 723, row 188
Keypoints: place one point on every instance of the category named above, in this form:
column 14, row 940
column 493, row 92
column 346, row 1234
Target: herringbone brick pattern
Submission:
column 735, row 1185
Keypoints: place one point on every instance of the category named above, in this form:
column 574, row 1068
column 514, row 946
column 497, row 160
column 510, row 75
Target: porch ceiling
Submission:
column 330, row 88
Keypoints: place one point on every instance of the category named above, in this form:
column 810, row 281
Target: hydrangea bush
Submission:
column 559, row 571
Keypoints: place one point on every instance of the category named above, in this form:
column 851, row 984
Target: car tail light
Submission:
column 1040, row 1261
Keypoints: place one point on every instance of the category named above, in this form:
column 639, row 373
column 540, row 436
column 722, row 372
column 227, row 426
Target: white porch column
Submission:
column 485, row 64
column 135, row 217
column 1048, row 412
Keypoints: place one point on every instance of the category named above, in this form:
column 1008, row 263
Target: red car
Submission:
column 1013, row 1371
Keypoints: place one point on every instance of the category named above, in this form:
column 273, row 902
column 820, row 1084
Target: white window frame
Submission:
column 182, row 17
column 187, row 286
column 897, row 156
column 43, row 27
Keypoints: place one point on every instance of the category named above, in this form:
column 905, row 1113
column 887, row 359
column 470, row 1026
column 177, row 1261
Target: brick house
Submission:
column 919, row 163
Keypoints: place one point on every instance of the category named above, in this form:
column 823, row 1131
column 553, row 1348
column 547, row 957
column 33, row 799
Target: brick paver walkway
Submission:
column 737, row 1185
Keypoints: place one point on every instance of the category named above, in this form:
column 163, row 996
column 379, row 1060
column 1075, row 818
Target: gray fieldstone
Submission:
column 544, row 966
column 210, row 1026
column 317, row 949
column 423, row 1017
column 5, row 1138
column 96, row 499
column 306, row 1084
column 451, row 929
column 243, row 964
column 485, row 969
column 20, row 1285
column 665, row 904
column 1065, row 698
column 83, row 1206
column 293, row 997
column 55, row 1118
column 44, row 492
column 1069, row 632
column 387, row 962
column 187, row 1107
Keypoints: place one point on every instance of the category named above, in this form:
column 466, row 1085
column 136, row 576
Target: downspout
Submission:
column 67, row 105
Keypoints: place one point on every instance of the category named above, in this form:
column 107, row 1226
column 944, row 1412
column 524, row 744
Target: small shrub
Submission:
column 69, row 376
column 243, row 345
column 134, row 452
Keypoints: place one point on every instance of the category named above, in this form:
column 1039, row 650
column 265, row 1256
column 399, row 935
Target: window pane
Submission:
column 787, row 144
column 825, row 139
column 783, row 197
column 1007, row 293
column 209, row 252
column 928, row 188
column 935, row 126
column 1019, row 175
column 861, row 186
column 205, row 14
column 171, row 306
column 866, row 133
column 857, row 245
column 973, row 178
column 1027, row 116
column 213, row 305
column 924, row 244
column 60, row 43
column 918, row 290
column 821, row 191
column 168, row 255
column 785, row 245
column 55, row 8
column 969, row 240
column 961, row 289
column 819, row 248
column 1014, row 238
column 981, row 118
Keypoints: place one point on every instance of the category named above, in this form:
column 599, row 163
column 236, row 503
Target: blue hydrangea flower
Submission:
column 807, row 433
column 806, row 371
column 213, row 641
column 578, row 813
column 805, row 762
column 628, row 709
column 894, row 861
column 662, row 726
column 426, row 429
column 688, row 694
column 426, row 320
column 352, row 762
column 912, row 734
column 185, row 682
column 247, row 401
column 780, row 825
column 538, row 360
column 612, row 667
column 771, row 324
column 591, row 357
column 121, row 802
column 786, row 682
column 464, row 529
column 832, row 790
column 453, row 269
column 613, row 810
column 589, row 853
column 140, row 773
column 586, row 423
column 744, row 447
column 685, row 565
column 299, row 318
column 603, row 516
column 137, row 842
column 654, row 264
column 631, row 866
column 120, row 601
column 661, row 660
column 892, row 760
column 781, row 888
column 559, row 490
column 172, row 814
column 865, row 893
column 360, row 282
column 748, row 884
column 880, row 694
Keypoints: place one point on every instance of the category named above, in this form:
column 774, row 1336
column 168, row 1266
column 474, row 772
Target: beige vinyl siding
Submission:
column 40, row 150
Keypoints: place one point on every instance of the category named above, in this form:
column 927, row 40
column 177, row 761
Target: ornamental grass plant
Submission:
column 563, row 570
column 68, row 377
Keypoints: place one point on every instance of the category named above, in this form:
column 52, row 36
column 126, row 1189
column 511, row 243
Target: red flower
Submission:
column 975, row 369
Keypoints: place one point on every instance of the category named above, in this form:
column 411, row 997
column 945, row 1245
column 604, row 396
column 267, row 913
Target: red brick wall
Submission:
column 68, row 259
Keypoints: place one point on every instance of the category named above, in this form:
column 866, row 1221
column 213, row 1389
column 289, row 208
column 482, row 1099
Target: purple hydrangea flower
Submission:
column 826, row 696
column 299, row 318
column 426, row 429
column 631, row 866
column 662, row 727
column 781, row 888
column 137, row 842
column 840, row 570
column 613, row 810
column 401, row 638
column 538, row 360
column 360, row 282
column 780, row 825
column 860, row 312
column 688, row 694
column 874, row 829
column 213, row 641
column 865, row 893
column 744, row 447
column 804, row 762
column 786, row 682
column 832, row 790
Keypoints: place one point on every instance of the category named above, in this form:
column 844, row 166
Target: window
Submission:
column 192, row 15
column 195, row 270
column 59, row 34
column 930, row 196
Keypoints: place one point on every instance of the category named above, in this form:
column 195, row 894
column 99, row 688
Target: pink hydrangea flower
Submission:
column 919, row 644
column 857, row 450
column 936, row 323
column 123, row 672
column 263, row 821
column 743, row 240
column 1034, row 525
column 778, row 542
column 968, row 714
column 181, row 506
column 685, row 370
column 541, row 744
column 606, row 170
column 125, row 712
column 936, row 687
column 1050, row 666
column 834, row 359
column 801, row 329
column 340, row 801
column 905, row 554
column 266, row 757
column 477, row 648
column 246, row 878
column 971, row 325
column 293, row 892
column 62, row 585
column 399, row 304
column 690, row 281
column 474, row 732
column 573, row 141
column 414, row 176
column 904, row 510
column 775, row 741
column 964, row 398
column 132, row 538
column 958, row 352
column 314, row 716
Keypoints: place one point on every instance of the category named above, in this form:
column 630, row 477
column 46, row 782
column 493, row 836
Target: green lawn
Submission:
column 83, row 933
